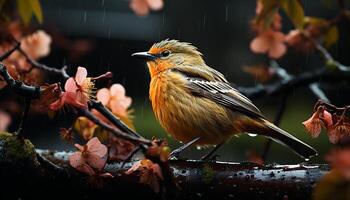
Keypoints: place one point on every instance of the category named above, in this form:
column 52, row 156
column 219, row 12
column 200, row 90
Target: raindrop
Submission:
column 226, row 13
column 306, row 159
column 109, row 33
column 102, row 3
column 199, row 194
column 85, row 15
column 104, row 15
column 231, row 195
column 199, row 148
column 252, row 134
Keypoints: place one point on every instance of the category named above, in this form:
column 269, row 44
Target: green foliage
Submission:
column 29, row 8
column 270, row 8
column 331, row 36
column 294, row 11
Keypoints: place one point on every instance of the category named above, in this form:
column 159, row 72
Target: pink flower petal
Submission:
column 81, row 75
column 76, row 159
column 327, row 117
column 260, row 44
column 70, row 86
column 277, row 50
column 117, row 90
column 78, row 146
column 155, row 4
column 134, row 167
column 76, row 99
column 5, row 120
column 96, row 147
column 103, row 96
column 140, row 7
column 95, row 161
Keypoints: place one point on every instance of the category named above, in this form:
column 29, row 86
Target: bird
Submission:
column 196, row 104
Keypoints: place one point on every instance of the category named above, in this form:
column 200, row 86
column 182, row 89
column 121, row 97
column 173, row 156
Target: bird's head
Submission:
column 170, row 54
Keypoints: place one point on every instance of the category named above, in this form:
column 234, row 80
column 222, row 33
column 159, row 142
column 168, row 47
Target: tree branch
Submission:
column 26, row 91
column 303, row 79
column 111, row 129
column 196, row 180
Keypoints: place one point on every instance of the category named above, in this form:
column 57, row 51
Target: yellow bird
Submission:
column 196, row 104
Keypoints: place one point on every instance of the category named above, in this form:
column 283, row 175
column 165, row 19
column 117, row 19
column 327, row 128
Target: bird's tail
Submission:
column 289, row 140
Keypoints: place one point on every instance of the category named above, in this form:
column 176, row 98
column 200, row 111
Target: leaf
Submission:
column 265, row 18
column 28, row 8
column 294, row 11
column 36, row 9
column 24, row 10
column 331, row 36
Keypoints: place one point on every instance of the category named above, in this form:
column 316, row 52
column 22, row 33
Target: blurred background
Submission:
column 102, row 34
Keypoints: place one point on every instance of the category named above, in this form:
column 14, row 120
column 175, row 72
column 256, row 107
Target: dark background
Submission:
column 221, row 31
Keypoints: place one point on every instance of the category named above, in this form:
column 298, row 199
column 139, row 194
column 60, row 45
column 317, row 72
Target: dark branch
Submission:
column 62, row 72
column 112, row 118
column 197, row 180
column 9, row 52
column 111, row 129
column 26, row 91
column 303, row 79
column 24, row 117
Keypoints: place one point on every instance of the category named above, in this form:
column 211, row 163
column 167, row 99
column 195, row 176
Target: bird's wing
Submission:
column 224, row 94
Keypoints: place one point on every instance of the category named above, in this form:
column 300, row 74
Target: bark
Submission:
column 27, row 173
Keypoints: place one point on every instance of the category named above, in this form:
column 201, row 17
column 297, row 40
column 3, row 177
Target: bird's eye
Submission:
column 165, row 53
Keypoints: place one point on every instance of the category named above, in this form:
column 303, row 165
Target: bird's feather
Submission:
column 221, row 92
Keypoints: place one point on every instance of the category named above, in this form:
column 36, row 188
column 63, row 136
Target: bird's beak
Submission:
column 145, row 55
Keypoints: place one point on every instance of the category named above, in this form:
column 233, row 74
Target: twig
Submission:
column 24, row 117
column 277, row 121
column 9, row 52
column 112, row 118
column 28, row 92
column 303, row 79
column 62, row 72
column 114, row 131
column 332, row 108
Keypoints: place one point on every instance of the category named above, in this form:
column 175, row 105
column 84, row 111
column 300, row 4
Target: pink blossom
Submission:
column 5, row 120
column 115, row 99
column 142, row 7
column 78, row 91
column 90, row 157
column 270, row 42
column 36, row 45
column 313, row 125
column 151, row 173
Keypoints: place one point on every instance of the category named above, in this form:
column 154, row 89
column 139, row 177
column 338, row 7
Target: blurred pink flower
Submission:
column 5, row 120
column 296, row 39
column 90, row 157
column 78, row 91
column 142, row 7
column 151, row 173
column 270, row 42
column 339, row 131
column 114, row 98
column 339, row 159
column 36, row 45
